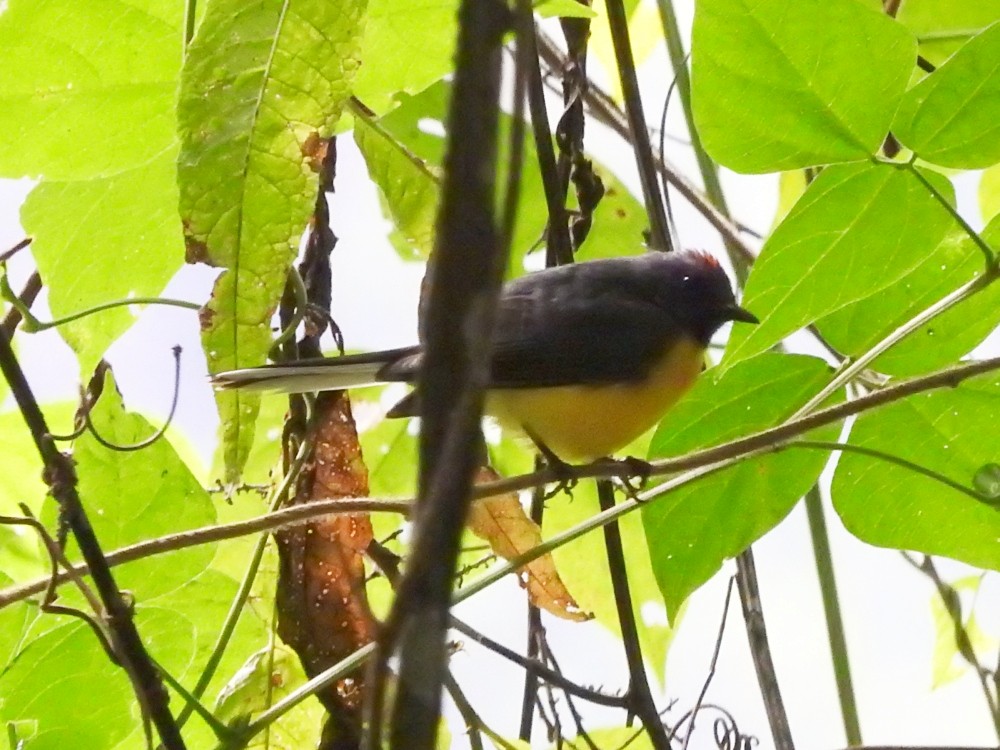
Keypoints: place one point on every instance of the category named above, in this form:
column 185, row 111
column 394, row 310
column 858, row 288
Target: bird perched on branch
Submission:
column 585, row 357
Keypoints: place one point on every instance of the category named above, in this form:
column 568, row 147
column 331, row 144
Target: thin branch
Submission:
column 953, row 607
column 655, row 206
column 760, row 650
column 551, row 676
column 60, row 475
column 706, row 166
column 853, row 367
column 638, row 689
column 697, row 461
column 11, row 252
column 711, row 667
column 464, row 284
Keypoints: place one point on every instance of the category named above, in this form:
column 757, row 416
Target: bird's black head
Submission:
column 694, row 290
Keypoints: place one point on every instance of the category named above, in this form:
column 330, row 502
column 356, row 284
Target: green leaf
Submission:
column 410, row 188
column 779, row 85
column 947, row 663
column 563, row 9
column 266, row 677
column 633, row 738
column 952, row 432
column 14, row 622
column 137, row 495
column 943, row 340
column 952, row 117
column 619, row 220
column 65, row 683
column 942, row 26
column 86, row 89
column 989, row 194
column 263, row 82
column 858, row 230
column 699, row 526
column 406, row 47
column 124, row 241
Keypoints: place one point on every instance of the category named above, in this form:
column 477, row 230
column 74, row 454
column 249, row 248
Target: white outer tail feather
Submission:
column 301, row 378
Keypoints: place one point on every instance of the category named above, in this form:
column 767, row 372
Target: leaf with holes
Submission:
column 264, row 82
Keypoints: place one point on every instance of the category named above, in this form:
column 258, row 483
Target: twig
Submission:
column 60, row 476
column 558, row 246
column 638, row 690
column 655, row 206
column 953, row 607
column 10, row 253
column 753, row 614
column 765, row 440
column 551, row 676
column 711, row 667
column 706, row 166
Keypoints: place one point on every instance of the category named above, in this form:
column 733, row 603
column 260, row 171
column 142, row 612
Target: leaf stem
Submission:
column 32, row 324
column 834, row 619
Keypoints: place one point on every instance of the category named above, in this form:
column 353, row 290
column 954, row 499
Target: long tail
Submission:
column 329, row 374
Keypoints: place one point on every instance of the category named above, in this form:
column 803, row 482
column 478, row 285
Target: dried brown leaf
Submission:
column 502, row 522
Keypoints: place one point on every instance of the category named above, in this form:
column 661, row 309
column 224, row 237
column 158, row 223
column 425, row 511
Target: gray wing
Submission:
column 570, row 326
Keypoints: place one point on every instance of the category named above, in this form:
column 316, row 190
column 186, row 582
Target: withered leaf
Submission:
column 502, row 522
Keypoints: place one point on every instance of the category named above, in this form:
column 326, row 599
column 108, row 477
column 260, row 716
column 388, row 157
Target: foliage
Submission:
column 152, row 149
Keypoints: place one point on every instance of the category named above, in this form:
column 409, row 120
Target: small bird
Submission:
column 585, row 357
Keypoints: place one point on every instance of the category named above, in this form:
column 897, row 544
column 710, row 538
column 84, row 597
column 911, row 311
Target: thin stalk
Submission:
column 708, row 169
column 834, row 618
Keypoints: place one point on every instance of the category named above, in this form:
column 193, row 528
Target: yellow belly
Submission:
column 583, row 423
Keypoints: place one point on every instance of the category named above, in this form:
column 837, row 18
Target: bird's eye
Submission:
column 686, row 278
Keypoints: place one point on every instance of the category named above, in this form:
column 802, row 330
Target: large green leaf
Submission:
column 952, row 117
column 406, row 47
column 124, row 241
column 942, row 26
column 952, row 432
column 86, row 89
column 14, row 621
column 955, row 260
column 780, row 85
column 263, row 82
column 693, row 530
column 131, row 496
column 67, row 693
column 858, row 229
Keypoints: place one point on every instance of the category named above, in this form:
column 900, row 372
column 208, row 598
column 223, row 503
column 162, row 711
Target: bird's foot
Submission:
column 632, row 472
column 566, row 480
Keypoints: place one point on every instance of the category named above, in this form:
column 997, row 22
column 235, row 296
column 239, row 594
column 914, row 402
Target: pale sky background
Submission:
column 885, row 603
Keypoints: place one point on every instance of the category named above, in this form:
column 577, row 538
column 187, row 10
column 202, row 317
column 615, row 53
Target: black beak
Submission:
column 735, row 312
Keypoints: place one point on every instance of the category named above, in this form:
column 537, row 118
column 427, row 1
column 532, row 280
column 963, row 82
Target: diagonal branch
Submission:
column 60, row 476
